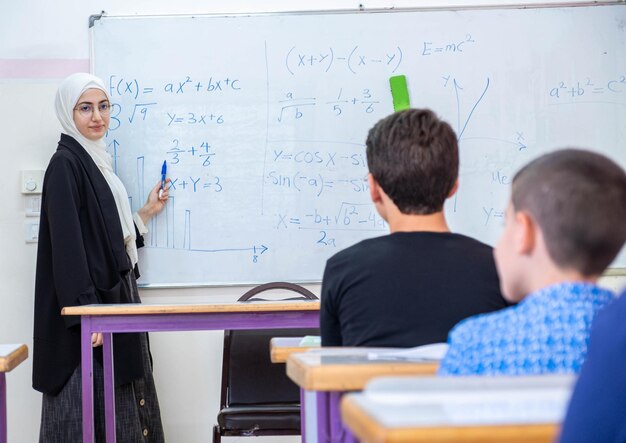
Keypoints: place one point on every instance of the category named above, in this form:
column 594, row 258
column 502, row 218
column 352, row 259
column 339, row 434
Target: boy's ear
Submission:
column 375, row 193
column 455, row 187
column 526, row 233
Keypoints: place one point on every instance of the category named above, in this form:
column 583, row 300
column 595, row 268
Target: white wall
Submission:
column 41, row 42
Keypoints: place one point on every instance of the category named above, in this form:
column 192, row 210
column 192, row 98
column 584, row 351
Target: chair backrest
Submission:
column 248, row 375
column 305, row 293
column 252, row 377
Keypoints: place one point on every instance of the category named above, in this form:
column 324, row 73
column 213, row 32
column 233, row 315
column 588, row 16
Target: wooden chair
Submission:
column 257, row 398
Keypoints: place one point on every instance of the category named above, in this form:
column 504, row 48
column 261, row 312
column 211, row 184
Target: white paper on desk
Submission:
column 425, row 353
column 506, row 406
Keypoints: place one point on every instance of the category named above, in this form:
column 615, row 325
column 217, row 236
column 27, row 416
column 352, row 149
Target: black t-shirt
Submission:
column 406, row 289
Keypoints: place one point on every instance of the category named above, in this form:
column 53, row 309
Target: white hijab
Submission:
column 67, row 96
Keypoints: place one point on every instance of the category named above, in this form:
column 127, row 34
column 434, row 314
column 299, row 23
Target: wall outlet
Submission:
column 31, row 231
column 33, row 206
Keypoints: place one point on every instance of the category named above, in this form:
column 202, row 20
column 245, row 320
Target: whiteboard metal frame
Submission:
column 359, row 9
column 611, row 272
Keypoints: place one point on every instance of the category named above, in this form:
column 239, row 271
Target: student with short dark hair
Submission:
column 564, row 226
column 410, row 287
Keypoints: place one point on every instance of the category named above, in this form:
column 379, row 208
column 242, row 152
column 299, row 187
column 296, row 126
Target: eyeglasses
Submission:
column 86, row 110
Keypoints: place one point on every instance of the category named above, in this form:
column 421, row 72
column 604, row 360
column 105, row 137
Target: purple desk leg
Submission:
column 338, row 432
column 173, row 322
column 348, row 437
column 109, row 387
column 87, row 380
column 302, row 416
column 334, row 417
column 324, row 434
column 3, row 408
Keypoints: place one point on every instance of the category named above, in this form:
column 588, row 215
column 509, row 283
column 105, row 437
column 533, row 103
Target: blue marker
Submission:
column 163, row 172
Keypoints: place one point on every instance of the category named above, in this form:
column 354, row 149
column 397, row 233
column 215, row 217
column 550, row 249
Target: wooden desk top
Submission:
column 232, row 307
column 282, row 347
column 11, row 356
column 470, row 409
column 347, row 369
column 368, row 430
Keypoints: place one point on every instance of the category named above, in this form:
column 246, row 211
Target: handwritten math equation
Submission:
column 358, row 59
column 355, row 60
column 193, row 184
column 447, row 47
column 492, row 214
column 348, row 216
column 120, row 86
column 317, row 183
column 589, row 87
column 203, row 151
column 144, row 100
column 327, row 159
column 317, row 170
column 139, row 112
column 294, row 107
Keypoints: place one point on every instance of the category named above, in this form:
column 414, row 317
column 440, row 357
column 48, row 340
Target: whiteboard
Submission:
column 262, row 120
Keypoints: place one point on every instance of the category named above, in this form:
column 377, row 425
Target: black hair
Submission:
column 414, row 156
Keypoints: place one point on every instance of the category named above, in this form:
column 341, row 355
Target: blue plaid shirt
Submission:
column 547, row 332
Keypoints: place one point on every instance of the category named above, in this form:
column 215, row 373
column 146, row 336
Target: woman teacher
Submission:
column 87, row 254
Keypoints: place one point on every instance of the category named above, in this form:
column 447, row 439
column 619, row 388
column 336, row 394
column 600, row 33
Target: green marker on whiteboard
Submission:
column 399, row 93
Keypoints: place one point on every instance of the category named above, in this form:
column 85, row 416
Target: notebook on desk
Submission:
column 311, row 341
column 426, row 353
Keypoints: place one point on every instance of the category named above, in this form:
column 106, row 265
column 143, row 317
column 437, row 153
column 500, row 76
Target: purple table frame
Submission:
column 10, row 357
column 329, row 373
column 3, row 408
column 330, row 427
column 271, row 315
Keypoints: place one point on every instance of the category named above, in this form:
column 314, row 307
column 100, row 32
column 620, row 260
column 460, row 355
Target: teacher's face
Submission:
column 91, row 114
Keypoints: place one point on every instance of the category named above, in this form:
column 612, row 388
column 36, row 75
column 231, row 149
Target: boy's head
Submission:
column 414, row 158
column 571, row 204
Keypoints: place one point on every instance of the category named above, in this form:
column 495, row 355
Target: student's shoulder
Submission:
column 478, row 325
column 610, row 324
column 361, row 251
column 458, row 252
column 470, row 258
column 617, row 309
column 470, row 244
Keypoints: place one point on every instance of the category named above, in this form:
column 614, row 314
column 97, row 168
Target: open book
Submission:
column 425, row 353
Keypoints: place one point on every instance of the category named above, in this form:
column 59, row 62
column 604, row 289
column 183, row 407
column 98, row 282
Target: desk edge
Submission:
column 14, row 359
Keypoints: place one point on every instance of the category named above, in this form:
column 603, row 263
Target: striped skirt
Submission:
column 137, row 414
